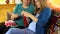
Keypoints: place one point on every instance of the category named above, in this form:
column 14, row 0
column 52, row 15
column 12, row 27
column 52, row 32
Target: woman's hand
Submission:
column 29, row 15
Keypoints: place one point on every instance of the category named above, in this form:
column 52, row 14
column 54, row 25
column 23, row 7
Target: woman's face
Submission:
column 37, row 3
column 26, row 1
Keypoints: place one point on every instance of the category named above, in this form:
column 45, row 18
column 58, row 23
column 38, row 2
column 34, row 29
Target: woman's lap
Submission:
column 19, row 31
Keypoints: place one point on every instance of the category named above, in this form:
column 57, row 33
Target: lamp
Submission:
column 54, row 4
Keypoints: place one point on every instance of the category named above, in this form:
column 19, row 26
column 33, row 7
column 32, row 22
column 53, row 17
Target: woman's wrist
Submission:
column 33, row 18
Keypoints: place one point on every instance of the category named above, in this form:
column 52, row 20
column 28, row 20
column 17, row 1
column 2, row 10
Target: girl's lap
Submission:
column 19, row 31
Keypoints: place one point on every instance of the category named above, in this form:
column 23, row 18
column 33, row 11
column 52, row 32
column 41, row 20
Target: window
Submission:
column 2, row 2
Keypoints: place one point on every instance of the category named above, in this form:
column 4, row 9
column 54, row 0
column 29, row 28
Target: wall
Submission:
column 3, row 11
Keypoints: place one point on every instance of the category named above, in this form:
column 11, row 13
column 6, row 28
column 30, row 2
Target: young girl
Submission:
column 17, row 17
column 39, row 22
column 24, row 6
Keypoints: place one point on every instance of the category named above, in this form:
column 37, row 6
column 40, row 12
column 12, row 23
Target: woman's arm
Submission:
column 33, row 18
column 43, row 20
column 29, row 15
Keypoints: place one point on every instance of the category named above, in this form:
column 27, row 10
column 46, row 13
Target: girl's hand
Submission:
column 14, row 16
column 25, row 14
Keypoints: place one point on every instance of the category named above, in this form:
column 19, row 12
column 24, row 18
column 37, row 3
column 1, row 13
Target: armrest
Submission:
column 8, row 16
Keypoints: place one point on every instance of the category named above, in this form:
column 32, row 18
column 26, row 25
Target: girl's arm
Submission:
column 14, row 16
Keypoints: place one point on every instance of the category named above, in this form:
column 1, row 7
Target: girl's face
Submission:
column 37, row 3
column 26, row 1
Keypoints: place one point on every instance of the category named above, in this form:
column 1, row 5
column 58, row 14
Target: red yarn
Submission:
column 25, row 21
column 9, row 23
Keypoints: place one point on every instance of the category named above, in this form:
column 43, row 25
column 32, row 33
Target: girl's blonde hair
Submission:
column 43, row 4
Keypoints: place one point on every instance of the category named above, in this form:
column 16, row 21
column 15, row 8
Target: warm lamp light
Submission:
column 55, row 4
